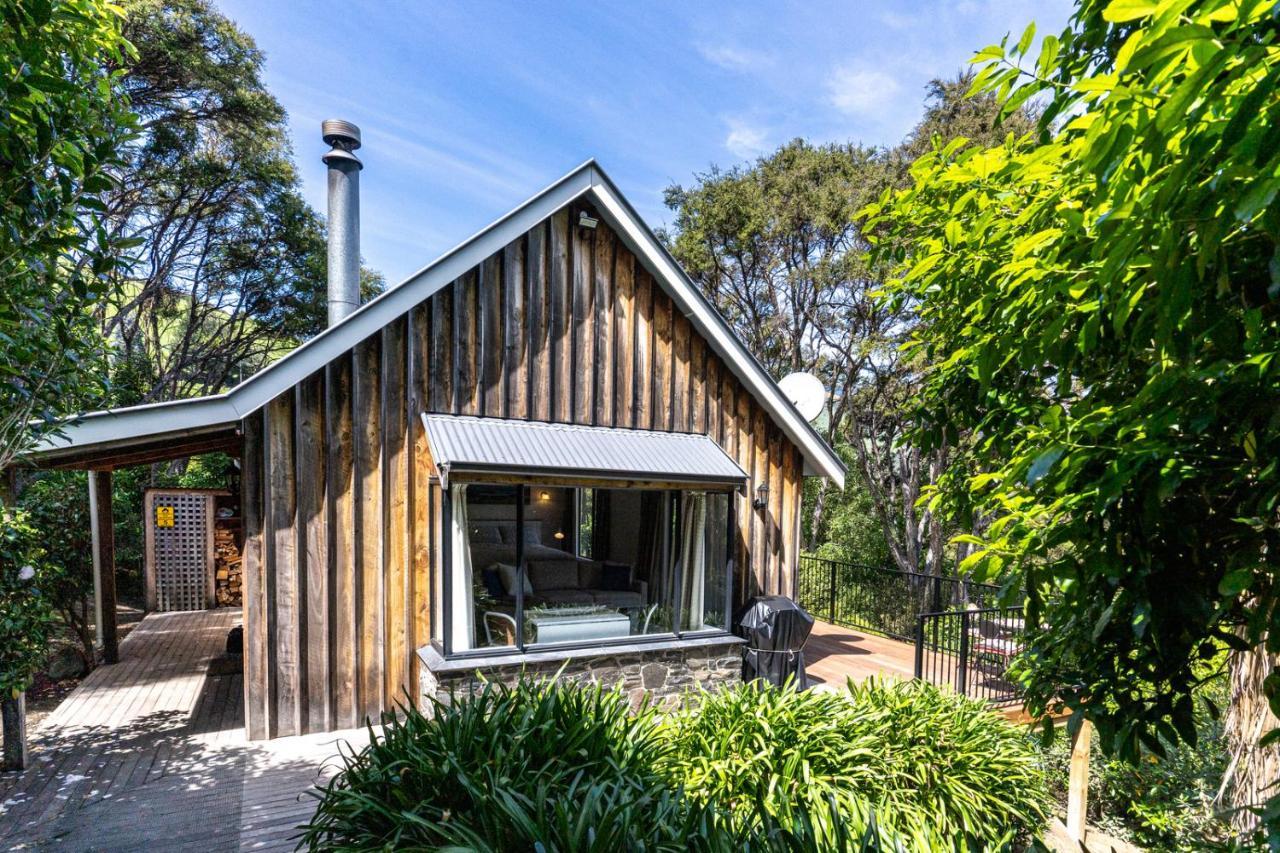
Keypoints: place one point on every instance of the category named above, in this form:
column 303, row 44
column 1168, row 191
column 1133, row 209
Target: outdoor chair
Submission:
column 501, row 624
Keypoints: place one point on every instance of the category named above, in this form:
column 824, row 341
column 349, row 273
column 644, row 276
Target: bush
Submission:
column 502, row 769
column 550, row 766
column 1161, row 803
column 932, row 766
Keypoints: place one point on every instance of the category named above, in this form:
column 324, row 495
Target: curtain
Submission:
column 462, row 607
column 649, row 562
column 693, row 557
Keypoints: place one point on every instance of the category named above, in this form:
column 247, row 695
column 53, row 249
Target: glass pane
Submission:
column 614, row 581
column 485, row 576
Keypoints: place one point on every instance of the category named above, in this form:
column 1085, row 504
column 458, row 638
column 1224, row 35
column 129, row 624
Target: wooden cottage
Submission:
column 544, row 447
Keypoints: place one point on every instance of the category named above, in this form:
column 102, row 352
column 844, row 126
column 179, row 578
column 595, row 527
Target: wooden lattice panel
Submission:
column 181, row 545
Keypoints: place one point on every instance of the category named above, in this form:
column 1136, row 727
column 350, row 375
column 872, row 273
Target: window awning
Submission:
column 491, row 448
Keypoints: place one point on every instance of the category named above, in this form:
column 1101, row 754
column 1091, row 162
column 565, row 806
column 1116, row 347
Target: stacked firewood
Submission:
column 227, row 559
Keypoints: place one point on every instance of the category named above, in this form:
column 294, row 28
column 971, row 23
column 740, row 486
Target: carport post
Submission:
column 104, row 563
column 97, row 564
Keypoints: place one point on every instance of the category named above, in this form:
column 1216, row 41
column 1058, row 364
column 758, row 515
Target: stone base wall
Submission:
column 665, row 675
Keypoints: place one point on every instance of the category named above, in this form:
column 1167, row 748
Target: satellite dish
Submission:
column 806, row 393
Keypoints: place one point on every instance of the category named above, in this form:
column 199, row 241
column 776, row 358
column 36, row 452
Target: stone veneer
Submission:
column 664, row 670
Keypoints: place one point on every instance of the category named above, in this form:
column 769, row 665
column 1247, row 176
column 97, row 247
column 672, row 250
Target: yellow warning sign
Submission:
column 164, row 516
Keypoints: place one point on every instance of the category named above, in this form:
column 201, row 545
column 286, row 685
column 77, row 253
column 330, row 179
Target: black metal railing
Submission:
column 970, row 649
column 882, row 600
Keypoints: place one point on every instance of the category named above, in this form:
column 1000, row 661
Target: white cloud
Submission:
column 745, row 141
column 733, row 58
column 860, row 91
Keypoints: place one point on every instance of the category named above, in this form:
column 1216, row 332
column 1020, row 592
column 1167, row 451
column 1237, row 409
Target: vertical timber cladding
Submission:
column 341, row 507
column 566, row 324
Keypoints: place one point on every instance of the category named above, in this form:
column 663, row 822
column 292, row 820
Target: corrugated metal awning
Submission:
column 496, row 446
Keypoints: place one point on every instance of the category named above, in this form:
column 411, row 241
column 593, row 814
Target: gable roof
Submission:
column 116, row 426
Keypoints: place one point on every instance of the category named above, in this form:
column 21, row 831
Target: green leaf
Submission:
column 1042, row 465
column 1120, row 11
column 1235, row 582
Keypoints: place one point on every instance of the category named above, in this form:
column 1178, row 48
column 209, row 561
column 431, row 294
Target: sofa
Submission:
column 567, row 580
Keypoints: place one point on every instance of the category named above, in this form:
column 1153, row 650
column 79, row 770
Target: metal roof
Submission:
column 497, row 445
column 587, row 181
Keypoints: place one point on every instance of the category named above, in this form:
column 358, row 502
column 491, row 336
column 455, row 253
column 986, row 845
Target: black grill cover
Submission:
column 775, row 628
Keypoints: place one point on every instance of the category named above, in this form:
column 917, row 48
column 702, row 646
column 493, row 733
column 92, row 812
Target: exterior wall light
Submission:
column 762, row 497
column 544, row 496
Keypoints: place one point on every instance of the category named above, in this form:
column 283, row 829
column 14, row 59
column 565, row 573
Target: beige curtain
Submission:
column 462, row 607
column 693, row 557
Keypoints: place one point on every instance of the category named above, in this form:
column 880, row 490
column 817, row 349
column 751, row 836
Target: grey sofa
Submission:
column 578, row 581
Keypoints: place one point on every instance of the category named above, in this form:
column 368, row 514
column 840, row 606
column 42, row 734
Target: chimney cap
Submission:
column 340, row 134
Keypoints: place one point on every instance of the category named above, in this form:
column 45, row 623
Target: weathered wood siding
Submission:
column 342, row 511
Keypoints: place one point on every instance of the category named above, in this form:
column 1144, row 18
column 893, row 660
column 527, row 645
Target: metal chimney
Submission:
column 344, row 217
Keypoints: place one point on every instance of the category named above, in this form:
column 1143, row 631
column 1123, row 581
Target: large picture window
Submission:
column 534, row 566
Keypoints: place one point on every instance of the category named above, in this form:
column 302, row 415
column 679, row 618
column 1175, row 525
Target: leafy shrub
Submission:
column 931, row 765
column 27, row 616
column 501, row 769
column 548, row 766
column 1161, row 803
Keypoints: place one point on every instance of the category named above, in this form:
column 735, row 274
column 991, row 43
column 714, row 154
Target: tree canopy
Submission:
column 1099, row 304
column 65, row 120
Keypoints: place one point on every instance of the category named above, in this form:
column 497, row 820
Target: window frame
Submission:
column 444, row 644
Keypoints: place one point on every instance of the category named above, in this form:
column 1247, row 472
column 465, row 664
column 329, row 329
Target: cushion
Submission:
column 508, row 574
column 493, row 582
column 532, row 533
column 553, row 574
column 507, row 530
column 588, row 574
column 485, row 534
column 620, row 600
column 615, row 577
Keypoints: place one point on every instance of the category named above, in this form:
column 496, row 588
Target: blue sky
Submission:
column 467, row 109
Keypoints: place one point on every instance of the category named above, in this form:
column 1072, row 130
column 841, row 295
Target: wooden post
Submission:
column 97, row 566
column 14, row 713
column 1078, row 783
column 105, row 562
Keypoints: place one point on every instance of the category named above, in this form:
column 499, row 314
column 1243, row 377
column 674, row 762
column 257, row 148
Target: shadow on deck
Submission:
column 150, row 753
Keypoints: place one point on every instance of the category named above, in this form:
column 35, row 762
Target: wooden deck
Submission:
column 150, row 753
column 834, row 654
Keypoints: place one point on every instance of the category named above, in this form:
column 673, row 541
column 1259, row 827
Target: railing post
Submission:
column 831, row 610
column 920, row 646
column 962, row 670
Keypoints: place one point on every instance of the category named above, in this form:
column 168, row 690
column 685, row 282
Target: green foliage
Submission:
column 1100, row 305
column 65, row 120
column 851, row 530
column 553, row 766
column 499, row 770
column 931, row 765
column 57, row 506
column 236, row 268
column 1159, row 803
column 26, row 608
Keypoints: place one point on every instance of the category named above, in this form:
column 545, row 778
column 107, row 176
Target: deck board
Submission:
column 150, row 753
column 834, row 654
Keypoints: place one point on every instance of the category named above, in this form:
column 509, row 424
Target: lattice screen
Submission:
column 181, row 555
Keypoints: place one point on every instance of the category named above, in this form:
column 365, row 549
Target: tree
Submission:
column 777, row 248
column 234, row 269
column 1100, row 305
column 65, row 120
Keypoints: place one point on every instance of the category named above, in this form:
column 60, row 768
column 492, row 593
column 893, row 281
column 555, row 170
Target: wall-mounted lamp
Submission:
column 544, row 496
column 559, row 534
column 762, row 497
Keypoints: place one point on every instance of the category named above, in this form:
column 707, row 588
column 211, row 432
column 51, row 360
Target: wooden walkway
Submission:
column 834, row 654
column 150, row 754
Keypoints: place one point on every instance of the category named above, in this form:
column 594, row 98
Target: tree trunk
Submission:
column 819, row 507
column 13, row 711
column 1251, row 776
